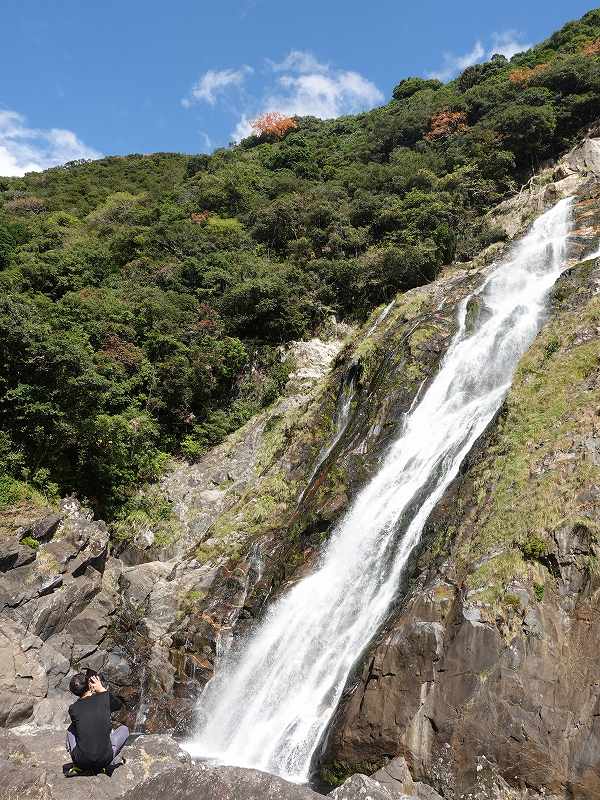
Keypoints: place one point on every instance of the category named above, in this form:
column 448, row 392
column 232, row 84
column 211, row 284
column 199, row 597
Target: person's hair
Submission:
column 79, row 684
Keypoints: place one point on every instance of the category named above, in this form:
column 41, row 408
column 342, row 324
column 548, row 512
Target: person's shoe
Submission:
column 73, row 771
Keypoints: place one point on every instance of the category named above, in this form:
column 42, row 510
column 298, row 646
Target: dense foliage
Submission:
column 143, row 298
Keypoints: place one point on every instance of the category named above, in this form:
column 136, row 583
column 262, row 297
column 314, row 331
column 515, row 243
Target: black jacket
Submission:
column 92, row 726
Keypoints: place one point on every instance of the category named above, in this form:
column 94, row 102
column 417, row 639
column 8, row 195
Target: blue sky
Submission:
column 81, row 78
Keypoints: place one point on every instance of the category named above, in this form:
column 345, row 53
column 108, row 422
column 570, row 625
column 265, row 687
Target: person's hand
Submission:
column 96, row 685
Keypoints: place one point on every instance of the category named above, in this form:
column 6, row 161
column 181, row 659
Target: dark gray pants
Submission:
column 118, row 737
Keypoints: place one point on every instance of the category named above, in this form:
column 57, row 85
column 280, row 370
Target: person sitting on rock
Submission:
column 92, row 743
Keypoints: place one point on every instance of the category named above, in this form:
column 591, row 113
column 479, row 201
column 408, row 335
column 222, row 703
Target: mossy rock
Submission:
column 336, row 772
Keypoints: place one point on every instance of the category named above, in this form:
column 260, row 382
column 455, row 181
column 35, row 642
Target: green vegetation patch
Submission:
column 14, row 492
column 30, row 541
column 531, row 480
column 262, row 508
column 336, row 772
column 148, row 511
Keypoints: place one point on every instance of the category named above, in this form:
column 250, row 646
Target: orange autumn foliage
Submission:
column 591, row 48
column 200, row 217
column 525, row 74
column 446, row 122
column 273, row 124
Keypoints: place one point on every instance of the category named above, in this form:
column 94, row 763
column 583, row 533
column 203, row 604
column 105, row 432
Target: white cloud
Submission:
column 322, row 95
column 304, row 86
column 242, row 129
column 453, row 64
column 215, row 82
column 24, row 149
column 207, row 140
column 505, row 43
column 298, row 61
column 299, row 85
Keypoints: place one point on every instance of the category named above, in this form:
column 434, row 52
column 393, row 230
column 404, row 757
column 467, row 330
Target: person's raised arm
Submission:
column 96, row 685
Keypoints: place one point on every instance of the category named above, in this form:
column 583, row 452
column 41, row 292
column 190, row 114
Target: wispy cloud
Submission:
column 306, row 87
column 213, row 83
column 323, row 94
column 298, row 85
column 248, row 6
column 505, row 43
column 207, row 140
column 453, row 64
column 24, row 149
column 508, row 43
column 298, row 61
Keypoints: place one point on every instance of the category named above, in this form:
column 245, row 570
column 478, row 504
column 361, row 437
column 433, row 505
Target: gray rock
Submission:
column 423, row 791
column 23, row 680
column 395, row 775
column 585, row 158
column 43, row 529
column 50, row 613
column 218, row 783
column 117, row 669
column 55, row 664
column 53, row 712
column 137, row 583
column 89, row 627
column 361, row 787
column 13, row 554
column 31, row 768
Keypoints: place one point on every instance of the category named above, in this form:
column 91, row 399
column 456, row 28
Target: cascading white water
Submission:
column 341, row 419
column 270, row 704
column 343, row 408
column 380, row 318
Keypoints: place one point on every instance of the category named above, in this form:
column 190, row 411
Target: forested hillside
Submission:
column 143, row 298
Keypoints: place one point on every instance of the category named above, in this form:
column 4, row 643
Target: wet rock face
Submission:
column 494, row 652
column 516, row 702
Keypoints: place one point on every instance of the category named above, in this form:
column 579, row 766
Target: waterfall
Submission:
column 341, row 419
column 343, row 407
column 270, row 704
column 380, row 318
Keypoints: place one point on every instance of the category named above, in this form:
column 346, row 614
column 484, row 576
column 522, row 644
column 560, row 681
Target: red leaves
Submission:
column 273, row 124
column 591, row 48
column 526, row 74
column 445, row 123
column 200, row 217
column 121, row 351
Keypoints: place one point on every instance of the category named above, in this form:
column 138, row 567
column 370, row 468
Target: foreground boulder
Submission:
column 32, row 768
column 219, row 783
column 394, row 782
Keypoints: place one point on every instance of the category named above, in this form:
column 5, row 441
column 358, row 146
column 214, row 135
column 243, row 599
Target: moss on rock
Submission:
column 536, row 471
